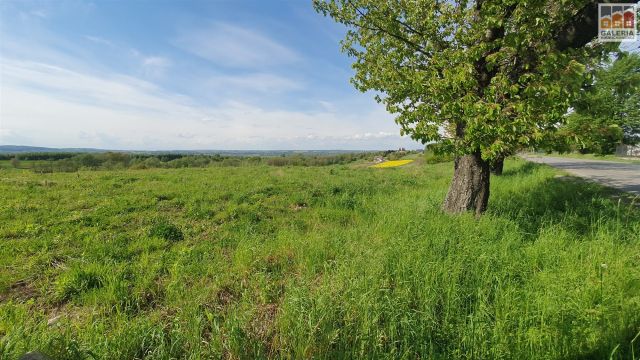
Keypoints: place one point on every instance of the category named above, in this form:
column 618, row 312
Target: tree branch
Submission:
column 417, row 47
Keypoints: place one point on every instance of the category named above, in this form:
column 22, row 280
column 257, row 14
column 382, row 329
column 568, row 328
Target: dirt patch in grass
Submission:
column 225, row 296
column 21, row 290
column 262, row 326
column 297, row 206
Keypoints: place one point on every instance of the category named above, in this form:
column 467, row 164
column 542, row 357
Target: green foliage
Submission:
column 607, row 112
column 166, row 230
column 336, row 262
column 395, row 155
column 483, row 76
column 434, row 157
column 589, row 135
column 88, row 161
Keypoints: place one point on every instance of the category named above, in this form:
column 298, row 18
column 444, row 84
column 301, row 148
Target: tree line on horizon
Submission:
column 72, row 162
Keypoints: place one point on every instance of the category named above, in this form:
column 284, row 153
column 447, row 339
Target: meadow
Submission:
column 330, row 262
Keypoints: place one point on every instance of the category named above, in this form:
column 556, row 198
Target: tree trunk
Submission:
column 497, row 166
column 469, row 188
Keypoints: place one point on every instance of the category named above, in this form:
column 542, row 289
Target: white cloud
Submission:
column 368, row 135
column 116, row 91
column 5, row 133
column 155, row 66
column 327, row 105
column 39, row 13
column 233, row 46
column 99, row 40
column 256, row 82
column 157, row 61
column 57, row 99
column 60, row 107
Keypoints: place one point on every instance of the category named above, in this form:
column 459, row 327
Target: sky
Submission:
column 182, row 75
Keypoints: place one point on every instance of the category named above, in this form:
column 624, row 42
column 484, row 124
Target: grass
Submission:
column 331, row 262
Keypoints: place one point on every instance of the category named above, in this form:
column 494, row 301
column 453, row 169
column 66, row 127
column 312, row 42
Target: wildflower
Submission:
column 392, row 163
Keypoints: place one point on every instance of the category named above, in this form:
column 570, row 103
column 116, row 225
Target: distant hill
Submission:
column 14, row 149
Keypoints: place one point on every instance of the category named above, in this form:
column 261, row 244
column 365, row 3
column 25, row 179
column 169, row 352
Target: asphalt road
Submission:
column 622, row 176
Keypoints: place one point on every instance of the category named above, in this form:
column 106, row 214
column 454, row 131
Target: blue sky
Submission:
column 159, row 75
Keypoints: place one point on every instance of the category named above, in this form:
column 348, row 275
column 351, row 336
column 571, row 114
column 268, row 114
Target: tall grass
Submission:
column 320, row 262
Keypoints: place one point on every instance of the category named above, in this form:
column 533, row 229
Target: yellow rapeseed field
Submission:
column 392, row 163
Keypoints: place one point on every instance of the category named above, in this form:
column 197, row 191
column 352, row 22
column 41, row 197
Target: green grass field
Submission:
column 334, row 262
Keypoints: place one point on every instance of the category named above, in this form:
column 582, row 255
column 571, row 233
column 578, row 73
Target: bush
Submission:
column 42, row 168
column 66, row 165
column 166, row 230
column 231, row 162
column 88, row 160
column 152, row 162
column 431, row 157
column 277, row 161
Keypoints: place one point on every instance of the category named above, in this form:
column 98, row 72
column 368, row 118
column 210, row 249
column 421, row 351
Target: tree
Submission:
column 481, row 78
column 497, row 166
column 607, row 111
column 15, row 162
column 88, row 160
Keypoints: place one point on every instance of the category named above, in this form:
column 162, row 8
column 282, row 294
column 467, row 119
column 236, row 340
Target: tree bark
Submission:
column 469, row 190
column 497, row 166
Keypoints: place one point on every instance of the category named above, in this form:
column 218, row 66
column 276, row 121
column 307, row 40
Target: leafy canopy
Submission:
column 483, row 76
column 607, row 111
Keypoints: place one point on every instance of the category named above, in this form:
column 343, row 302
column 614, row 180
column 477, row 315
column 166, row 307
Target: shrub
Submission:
column 152, row 162
column 42, row 167
column 88, row 161
column 430, row 157
column 277, row 161
column 66, row 165
column 231, row 162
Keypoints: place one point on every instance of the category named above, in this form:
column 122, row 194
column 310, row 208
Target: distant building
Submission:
column 628, row 150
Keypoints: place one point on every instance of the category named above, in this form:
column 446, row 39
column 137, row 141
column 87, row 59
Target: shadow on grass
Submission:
column 626, row 347
column 578, row 204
